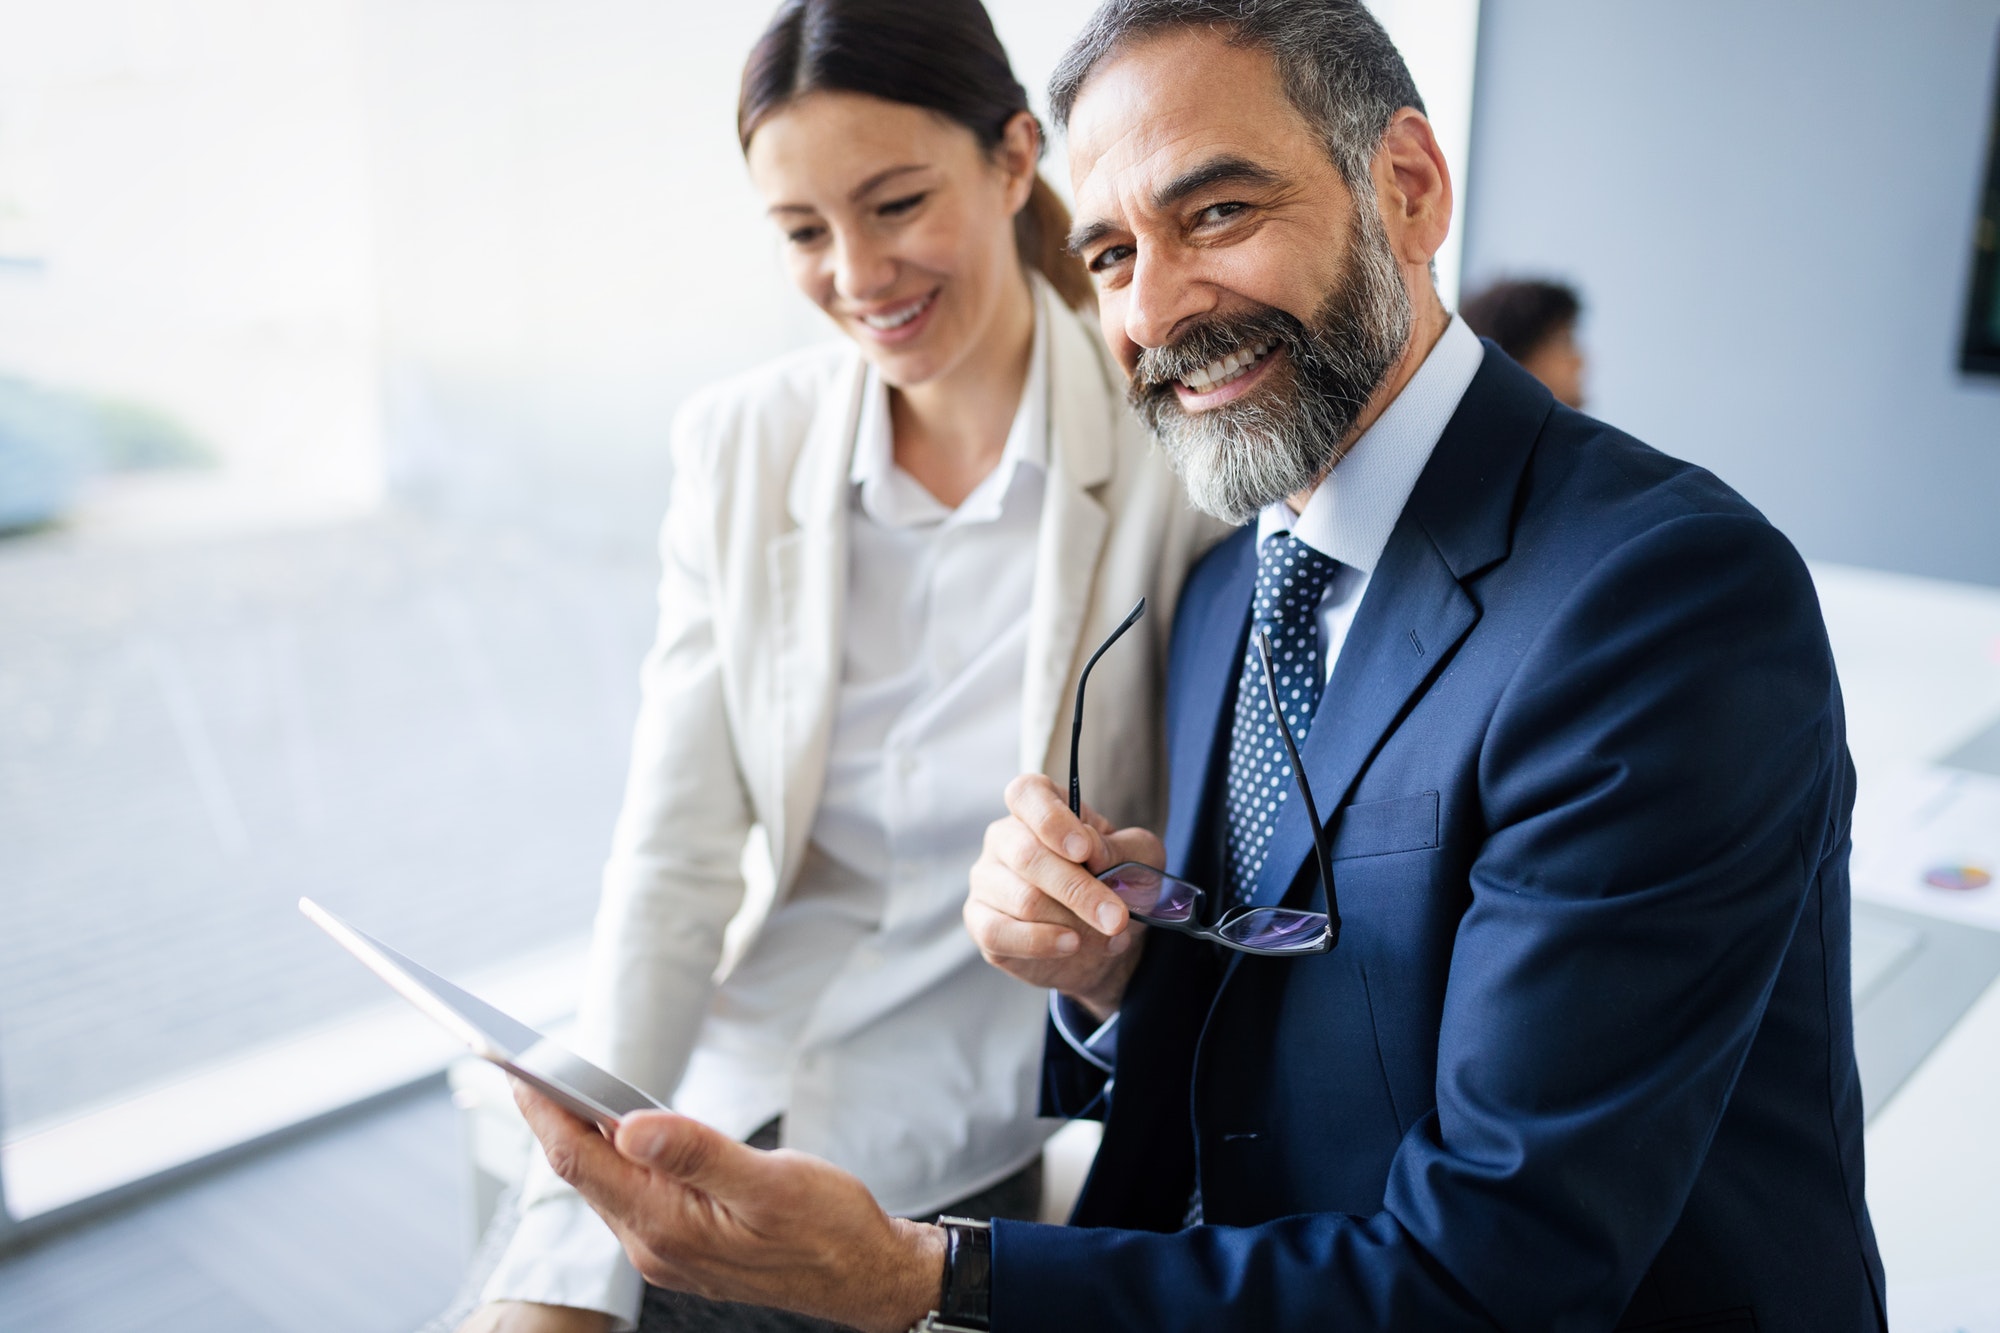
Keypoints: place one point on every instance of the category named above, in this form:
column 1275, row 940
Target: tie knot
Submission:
column 1291, row 578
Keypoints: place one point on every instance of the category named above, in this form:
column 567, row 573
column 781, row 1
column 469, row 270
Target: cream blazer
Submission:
column 739, row 694
column 739, row 691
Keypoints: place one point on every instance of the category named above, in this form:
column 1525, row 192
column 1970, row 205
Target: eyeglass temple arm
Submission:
column 1076, row 720
column 1320, row 853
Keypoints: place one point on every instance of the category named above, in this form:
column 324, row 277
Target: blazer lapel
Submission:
column 1074, row 526
column 808, row 585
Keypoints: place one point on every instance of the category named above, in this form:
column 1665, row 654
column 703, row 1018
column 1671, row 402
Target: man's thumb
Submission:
column 683, row 1148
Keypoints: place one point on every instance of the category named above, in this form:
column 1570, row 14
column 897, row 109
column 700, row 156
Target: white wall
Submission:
column 1439, row 40
column 1771, row 217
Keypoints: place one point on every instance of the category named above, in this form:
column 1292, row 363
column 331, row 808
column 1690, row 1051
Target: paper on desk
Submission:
column 1925, row 824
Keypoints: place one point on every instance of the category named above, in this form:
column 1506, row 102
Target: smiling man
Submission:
column 1580, row 1054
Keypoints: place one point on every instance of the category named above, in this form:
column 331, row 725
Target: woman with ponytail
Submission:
column 884, row 562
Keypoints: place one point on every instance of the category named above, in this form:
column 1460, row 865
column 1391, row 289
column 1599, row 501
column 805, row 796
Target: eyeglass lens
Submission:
column 1278, row 929
column 1152, row 893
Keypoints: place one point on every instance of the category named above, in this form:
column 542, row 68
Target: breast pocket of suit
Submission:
column 1382, row 828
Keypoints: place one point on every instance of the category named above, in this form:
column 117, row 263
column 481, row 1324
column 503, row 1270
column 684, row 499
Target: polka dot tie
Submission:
column 1291, row 577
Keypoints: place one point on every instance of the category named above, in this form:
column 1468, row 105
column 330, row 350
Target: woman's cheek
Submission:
column 806, row 274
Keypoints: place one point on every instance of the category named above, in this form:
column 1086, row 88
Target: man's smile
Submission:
column 1227, row 378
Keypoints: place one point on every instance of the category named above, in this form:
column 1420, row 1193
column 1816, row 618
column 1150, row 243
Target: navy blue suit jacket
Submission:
column 1583, row 1058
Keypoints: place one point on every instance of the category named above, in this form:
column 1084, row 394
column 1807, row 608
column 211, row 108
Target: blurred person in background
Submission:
column 1534, row 321
column 884, row 562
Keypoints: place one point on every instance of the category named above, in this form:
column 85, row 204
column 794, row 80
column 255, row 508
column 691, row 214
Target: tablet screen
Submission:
column 587, row 1092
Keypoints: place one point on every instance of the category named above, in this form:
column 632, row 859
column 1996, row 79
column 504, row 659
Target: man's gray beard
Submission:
column 1281, row 438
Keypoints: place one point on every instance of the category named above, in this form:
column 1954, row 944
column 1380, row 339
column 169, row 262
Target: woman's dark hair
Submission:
column 941, row 55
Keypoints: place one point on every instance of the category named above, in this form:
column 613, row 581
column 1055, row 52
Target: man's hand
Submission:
column 527, row 1317
column 699, row 1212
column 1038, row 911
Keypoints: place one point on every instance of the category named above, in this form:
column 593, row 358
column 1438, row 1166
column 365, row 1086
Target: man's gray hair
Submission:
column 1338, row 66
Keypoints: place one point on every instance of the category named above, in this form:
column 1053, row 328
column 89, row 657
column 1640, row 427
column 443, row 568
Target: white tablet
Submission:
column 583, row 1089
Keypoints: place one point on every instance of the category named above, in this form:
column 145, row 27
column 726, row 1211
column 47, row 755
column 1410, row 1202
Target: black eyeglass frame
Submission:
column 1322, row 853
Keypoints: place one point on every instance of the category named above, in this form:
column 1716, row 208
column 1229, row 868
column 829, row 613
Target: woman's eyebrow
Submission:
column 883, row 177
column 861, row 191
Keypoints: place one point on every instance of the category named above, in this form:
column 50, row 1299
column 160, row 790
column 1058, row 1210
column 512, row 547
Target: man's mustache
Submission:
column 1209, row 340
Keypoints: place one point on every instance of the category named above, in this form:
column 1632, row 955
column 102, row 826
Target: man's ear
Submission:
column 1413, row 188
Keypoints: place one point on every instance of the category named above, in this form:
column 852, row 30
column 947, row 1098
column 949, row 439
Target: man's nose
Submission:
column 862, row 270
column 1164, row 293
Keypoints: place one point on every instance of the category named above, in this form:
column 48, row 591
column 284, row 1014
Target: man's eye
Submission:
column 1221, row 212
column 897, row 207
column 1109, row 257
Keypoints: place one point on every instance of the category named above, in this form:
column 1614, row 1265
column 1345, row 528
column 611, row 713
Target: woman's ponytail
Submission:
column 1041, row 231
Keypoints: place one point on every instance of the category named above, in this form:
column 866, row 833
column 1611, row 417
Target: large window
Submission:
column 338, row 343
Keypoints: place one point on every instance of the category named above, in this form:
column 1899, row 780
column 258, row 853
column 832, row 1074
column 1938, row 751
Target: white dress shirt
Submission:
column 1351, row 513
column 1348, row 518
column 863, row 1013
column 870, row 945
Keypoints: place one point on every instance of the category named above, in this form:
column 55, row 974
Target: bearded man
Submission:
column 1547, row 1027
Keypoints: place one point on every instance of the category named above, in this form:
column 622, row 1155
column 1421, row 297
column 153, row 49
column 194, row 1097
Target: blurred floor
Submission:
column 361, row 1228
column 423, row 726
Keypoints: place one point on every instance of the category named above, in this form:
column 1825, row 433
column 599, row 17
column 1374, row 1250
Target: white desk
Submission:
column 1919, row 662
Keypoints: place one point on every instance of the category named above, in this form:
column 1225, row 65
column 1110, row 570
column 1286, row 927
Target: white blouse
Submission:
column 863, row 1014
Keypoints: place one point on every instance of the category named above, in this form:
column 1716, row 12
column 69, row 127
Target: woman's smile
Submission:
column 892, row 323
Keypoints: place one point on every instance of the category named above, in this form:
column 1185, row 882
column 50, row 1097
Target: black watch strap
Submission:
column 966, row 1299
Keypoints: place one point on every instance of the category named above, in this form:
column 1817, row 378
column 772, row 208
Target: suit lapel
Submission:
column 807, row 567
column 1412, row 616
column 1458, row 522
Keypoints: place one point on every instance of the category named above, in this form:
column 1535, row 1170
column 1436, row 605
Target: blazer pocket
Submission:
column 1377, row 828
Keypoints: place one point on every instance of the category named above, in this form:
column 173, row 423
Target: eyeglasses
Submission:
column 1159, row 899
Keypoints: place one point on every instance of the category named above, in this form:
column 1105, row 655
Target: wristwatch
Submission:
column 965, row 1298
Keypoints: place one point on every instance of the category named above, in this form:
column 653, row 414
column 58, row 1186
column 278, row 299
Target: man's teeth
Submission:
column 1218, row 373
column 896, row 319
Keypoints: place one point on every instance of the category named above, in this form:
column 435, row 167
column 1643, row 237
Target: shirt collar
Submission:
column 891, row 496
column 1352, row 513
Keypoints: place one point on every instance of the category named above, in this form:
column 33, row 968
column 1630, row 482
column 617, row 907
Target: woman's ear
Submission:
column 1019, row 149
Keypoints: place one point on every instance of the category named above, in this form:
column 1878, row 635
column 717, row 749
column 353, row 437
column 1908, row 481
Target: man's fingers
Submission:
column 1000, row 887
column 1137, row 844
column 1001, row 936
column 578, row 1153
column 1103, row 827
column 1069, row 884
column 1034, row 800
